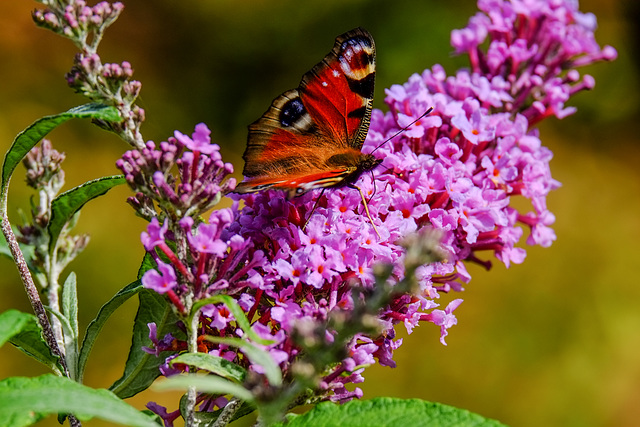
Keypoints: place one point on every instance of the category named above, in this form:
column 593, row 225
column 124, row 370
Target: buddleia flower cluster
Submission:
column 292, row 262
column 109, row 83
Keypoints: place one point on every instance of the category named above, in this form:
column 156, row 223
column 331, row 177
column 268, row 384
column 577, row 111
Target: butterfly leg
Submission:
column 313, row 209
column 366, row 207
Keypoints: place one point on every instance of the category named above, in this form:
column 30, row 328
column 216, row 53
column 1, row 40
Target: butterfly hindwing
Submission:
column 310, row 137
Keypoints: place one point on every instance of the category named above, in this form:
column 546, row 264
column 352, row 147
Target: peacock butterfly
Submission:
column 311, row 137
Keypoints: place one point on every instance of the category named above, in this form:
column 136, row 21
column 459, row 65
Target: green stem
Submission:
column 193, row 348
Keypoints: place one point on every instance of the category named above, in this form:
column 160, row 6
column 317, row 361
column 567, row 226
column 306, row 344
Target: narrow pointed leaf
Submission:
column 64, row 322
column 70, row 312
column 256, row 355
column 29, row 137
column 215, row 364
column 142, row 368
column 205, row 384
column 238, row 315
column 70, row 343
column 24, row 401
column 96, row 325
column 68, row 203
column 70, row 301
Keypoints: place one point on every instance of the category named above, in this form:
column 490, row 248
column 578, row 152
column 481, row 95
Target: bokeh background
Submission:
column 554, row 341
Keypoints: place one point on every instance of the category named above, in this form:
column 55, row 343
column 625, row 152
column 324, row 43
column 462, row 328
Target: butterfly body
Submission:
column 311, row 137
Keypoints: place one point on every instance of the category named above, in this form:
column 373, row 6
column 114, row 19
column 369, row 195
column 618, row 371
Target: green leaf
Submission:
column 4, row 247
column 68, row 203
column 392, row 412
column 148, row 263
column 70, row 312
column 29, row 137
column 238, row 314
column 24, row 401
column 70, row 302
column 96, row 325
column 142, row 368
column 64, row 322
column 205, row 384
column 256, row 355
column 12, row 322
column 70, row 342
column 211, row 363
column 23, row 331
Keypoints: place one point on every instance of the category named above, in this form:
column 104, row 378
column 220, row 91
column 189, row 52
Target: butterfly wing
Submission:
column 338, row 92
column 311, row 137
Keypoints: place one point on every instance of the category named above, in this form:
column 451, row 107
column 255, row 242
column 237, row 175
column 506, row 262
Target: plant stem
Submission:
column 193, row 348
column 227, row 413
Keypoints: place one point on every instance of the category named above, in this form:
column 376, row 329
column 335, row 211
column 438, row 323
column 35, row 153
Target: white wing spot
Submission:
column 336, row 73
column 325, row 84
column 346, row 67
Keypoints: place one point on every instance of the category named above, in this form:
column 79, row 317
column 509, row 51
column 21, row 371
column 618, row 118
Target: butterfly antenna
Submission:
column 315, row 205
column 403, row 129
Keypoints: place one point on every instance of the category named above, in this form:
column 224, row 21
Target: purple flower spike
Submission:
column 199, row 184
column 456, row 170
column 292, row 264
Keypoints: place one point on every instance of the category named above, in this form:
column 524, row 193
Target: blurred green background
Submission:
column 555, row 341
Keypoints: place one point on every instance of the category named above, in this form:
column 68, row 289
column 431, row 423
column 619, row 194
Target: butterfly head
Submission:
column 361, row 164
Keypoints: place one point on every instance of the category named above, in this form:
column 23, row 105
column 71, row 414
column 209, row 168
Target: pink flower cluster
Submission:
column 457, row 170
column 76, row 18
column 197, row 187
column 110, row 84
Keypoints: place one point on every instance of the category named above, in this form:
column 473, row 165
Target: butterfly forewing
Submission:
column 339, row 90
column 274, row 149
column 310, row 137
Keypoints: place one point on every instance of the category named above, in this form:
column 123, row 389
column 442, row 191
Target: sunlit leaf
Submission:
column 388, row 412
column 24, row 401
column 214, row 364
column 29, row 137
column 205, row 384
column 23, row 331
column 256, row 355
column 96, row 325
column 68, row 203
